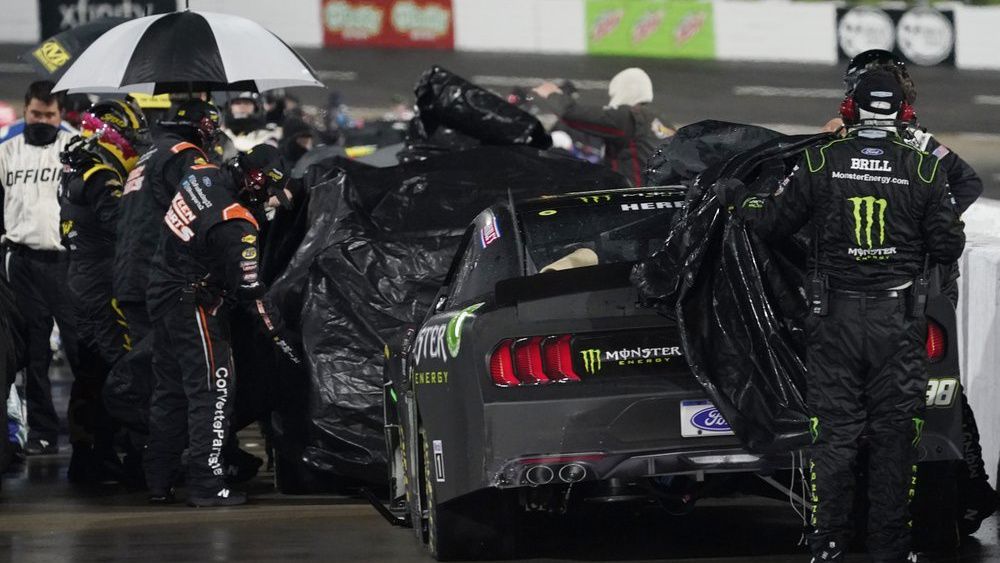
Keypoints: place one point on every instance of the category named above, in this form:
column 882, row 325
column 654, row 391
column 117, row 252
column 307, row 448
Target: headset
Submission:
column 851, row 115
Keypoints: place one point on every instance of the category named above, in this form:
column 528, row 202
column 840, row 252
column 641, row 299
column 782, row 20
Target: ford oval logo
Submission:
column 871, row 151
column 710, row 420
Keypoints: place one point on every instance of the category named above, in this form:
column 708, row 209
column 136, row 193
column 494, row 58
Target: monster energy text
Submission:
column 594, row 358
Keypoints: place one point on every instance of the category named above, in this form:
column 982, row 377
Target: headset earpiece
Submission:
column 907, row 113
column 849, row 110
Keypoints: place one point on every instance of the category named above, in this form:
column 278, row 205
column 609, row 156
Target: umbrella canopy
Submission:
column 51, row 57
column 184, row 51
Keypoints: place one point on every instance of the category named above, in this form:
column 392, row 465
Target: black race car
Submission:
column 537, row 378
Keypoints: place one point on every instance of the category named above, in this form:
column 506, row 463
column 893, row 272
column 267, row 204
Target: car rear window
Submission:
column 619, row 227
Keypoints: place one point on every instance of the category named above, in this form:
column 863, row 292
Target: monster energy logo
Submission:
column 591, row 360
column 594, row 198
column 865, row 222
column 868, row 204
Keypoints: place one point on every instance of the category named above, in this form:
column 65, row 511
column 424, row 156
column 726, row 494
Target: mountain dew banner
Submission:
column 651, row 28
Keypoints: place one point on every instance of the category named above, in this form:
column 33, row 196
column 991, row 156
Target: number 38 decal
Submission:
column 942, row 392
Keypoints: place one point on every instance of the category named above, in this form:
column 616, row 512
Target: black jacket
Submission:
column 88, row 203
column 879, row 207
column 630, row 133
column 208, row 244
column 147, row 194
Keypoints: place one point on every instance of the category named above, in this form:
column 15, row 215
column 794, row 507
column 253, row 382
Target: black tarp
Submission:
column 377, row 245
column 738, row 302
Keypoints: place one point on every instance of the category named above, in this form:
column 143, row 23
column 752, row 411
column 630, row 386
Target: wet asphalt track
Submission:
column 43, row 518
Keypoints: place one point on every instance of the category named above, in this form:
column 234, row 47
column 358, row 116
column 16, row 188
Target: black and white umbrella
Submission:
column 185, row 51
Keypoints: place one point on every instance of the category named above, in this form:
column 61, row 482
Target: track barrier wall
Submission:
column 737, row 30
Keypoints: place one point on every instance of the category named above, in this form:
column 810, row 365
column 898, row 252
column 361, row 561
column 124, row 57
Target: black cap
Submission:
column 878, row 92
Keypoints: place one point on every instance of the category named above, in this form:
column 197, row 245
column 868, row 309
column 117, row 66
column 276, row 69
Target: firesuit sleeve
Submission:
column 235, row 244
column 607, row 123
column 103, row 192
column 787, row 210
column 944, row 232
column 965, row 184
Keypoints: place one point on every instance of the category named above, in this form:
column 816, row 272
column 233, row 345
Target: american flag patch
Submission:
column 941, row 152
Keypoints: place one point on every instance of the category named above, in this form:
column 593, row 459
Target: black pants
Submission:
column 192, row 399
column 867, row 374
column 103, row 340
column 38, row 279
column 137, row 319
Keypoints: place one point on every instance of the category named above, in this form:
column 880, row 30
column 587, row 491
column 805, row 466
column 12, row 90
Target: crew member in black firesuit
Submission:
column 187, row 139
column 96, row 163
column 882, row 213
column 977, row 499
column 206, row 264
column 631, row 130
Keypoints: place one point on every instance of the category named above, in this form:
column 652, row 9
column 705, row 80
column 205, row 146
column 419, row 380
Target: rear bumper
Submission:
column 589, row 438
column 533, row 471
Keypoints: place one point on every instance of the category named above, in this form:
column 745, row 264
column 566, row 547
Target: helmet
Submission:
column 242, row 121
column 118, row 127
column 261, row 173
column 204, row 117
column 879, row 59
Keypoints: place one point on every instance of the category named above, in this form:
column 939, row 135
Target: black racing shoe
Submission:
column 241, row 466
column 831, row 552
column 224, row 497
column 36, row 446
column 162, row 496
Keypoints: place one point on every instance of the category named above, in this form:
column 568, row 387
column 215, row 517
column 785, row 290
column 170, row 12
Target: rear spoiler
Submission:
column 565, row 282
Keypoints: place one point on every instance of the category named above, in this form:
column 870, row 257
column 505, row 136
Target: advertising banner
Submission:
column 923, row 36
column 425, row 24
column 651, row 28
column 60, row 15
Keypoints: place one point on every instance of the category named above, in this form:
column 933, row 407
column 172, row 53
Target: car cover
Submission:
column 446, row 99
column 738, row 302
column 376, row 246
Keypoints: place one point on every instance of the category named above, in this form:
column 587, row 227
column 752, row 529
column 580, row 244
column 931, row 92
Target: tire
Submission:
column 469, row 527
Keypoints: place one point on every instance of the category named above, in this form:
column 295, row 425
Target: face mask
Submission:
column 40, row 134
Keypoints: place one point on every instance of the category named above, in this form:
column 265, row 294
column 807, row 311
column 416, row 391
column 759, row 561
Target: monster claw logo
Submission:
column 868, row 204
column 591, row 360
column 595, row 198
column 866, row 224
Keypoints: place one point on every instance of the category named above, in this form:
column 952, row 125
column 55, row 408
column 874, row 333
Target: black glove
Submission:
column 274, row 329
column 730, row 192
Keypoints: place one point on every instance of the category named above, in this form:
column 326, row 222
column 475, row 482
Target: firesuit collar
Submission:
column 40, row 134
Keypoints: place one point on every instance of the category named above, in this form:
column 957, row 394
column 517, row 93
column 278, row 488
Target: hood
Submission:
column 630, row 87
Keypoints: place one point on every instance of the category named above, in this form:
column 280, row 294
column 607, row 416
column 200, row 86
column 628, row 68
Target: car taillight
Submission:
column 502, row 366
column 935, row 341
column 533, row 360
column 558, row 358
column 528, row 361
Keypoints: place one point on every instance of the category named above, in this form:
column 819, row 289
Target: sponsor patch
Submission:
column 249, row 239
column 870, row 165
column 941, row 152
column 249, row 253
column 438, row 461
column 134, row 181
column 872, row 151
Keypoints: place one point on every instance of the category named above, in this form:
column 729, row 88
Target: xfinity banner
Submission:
column 923, row 36
column 60, row 15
